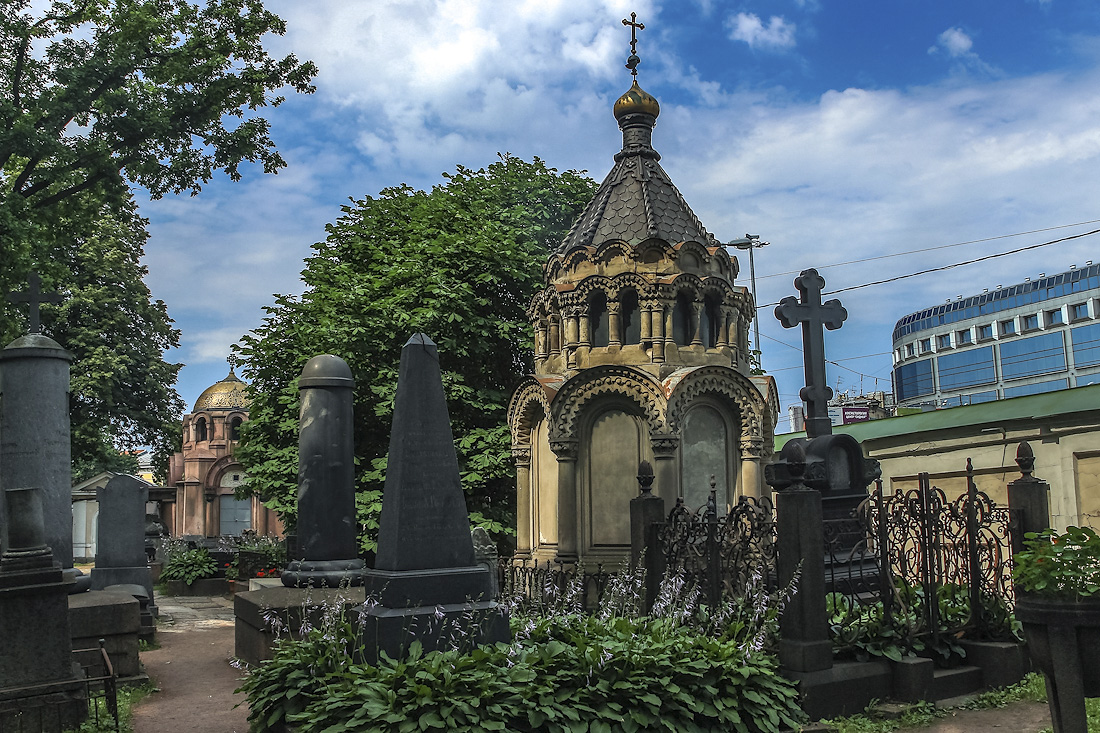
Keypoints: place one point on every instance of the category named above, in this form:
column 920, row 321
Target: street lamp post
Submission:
column 751, row 242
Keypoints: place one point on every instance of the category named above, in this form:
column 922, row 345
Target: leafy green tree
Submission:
column 98, row 93
column 122, row 394
column 96, row 96
column 459, row 263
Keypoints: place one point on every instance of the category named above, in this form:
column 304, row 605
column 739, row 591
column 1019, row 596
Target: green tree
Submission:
column 98, row 93
column 122, row 394
column 459, row 263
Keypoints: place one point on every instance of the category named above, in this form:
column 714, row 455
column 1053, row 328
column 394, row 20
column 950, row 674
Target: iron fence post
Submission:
column 885, row 578
column 974, row 571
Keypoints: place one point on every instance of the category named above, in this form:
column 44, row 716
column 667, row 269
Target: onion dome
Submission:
column 228, row 394
column 634, row 101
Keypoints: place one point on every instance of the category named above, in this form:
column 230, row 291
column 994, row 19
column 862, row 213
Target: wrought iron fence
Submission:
column 718, row 556
column 915, row 571
column 530, row 586
column 99, row 689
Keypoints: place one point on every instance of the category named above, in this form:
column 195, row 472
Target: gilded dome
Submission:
column 228, row 394
column 636, row 99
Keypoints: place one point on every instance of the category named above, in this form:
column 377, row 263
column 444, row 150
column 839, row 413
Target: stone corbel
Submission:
column 565, row 450
column 521, row 455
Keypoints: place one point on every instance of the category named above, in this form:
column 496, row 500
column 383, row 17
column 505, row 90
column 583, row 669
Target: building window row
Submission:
column 1044, row 353
column 1006, row 328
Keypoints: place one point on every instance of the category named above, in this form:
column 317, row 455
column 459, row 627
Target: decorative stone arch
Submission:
column 686, row 282
column 651, row 251
column 628, row 281
column 571, row 259
column 609, row 379
column 593, row 283
column 607, row 251
column 522, row 409
column 229, row 421
column 692, row 256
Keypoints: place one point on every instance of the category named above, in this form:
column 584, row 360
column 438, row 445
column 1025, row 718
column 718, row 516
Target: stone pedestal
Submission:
column 114, row 617
column 804, row 645
column 266, row 614
column 34, row 439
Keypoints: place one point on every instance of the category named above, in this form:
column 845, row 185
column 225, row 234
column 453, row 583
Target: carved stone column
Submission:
column 583, row 337
column 658, row 318
column 752, row 478
column 542, row 335
column 555, row 334
column 670, row 342
column 646, row 325
column 614, row 327
column 697, row 314
column 572, row 335
column 665, row 469
column 568, row 524
column 723, row 327
column 521, row 456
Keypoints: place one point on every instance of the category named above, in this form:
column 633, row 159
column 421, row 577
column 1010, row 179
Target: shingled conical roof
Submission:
column 637, row 200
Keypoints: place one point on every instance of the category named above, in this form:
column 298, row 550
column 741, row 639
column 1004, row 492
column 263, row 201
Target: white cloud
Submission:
column 954, row 42
column 748, row 27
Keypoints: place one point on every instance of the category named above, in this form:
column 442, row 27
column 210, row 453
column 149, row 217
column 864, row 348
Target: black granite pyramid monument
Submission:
column 425, row 582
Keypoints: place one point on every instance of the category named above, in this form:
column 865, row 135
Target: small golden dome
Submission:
column 636, row 99
column 228, row 394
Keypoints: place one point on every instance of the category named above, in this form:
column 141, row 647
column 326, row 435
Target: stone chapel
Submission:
column 641, row 353
column 205, row 473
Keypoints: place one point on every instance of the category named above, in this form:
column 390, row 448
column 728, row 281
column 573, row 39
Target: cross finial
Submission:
column 35, row 297
column 633, row 61
column 813, row 315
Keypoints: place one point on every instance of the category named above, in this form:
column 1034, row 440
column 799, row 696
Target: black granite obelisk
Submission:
column 426, row 582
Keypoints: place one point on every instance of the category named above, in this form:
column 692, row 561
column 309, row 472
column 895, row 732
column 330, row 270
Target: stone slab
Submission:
column 439, row 627
column 259, row 614
column 1002, row 663
column 111, row 616
column 34, row 640
column 844, row 689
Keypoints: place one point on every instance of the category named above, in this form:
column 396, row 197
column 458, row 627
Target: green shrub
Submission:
column 189, row 566
column 564, row 673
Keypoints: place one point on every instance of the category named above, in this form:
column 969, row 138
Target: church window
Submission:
column 712, row 322
column 200, row 430
column 235, row 429
column 632, row 323
column 597, row 319
column 682, row 326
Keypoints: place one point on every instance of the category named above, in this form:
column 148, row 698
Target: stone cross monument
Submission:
column 34, row 426
column 812, row 314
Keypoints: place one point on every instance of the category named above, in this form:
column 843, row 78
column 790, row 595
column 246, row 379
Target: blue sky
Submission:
column 837, row 131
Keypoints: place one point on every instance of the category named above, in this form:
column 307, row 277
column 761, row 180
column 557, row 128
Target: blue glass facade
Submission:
column 1038, row 388
column 967, row 368
column 1086, row 345
column 913, row 380
column 1031, row 356
column 1014, row 296
column 969, row 399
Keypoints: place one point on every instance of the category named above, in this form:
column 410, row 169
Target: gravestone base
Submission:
column 114, row 617
column 49, row 708
column 846, row 688
column 461, row 626
column 146, row 610
column 323, row 573
column 266, row 614
column 34, row 644
column 103, row 578
column 414, row 588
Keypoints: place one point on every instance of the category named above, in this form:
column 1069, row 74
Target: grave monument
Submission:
column 40, row 687
column 426, row 583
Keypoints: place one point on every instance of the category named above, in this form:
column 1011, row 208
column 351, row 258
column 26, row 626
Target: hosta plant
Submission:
column 189, row 566
column 1064, row 566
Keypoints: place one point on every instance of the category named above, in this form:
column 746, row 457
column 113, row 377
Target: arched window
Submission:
column 682, row 327
column 712, row 321
column 235, row 428
column 597, row 319
column 632, row 322
column 200, row 430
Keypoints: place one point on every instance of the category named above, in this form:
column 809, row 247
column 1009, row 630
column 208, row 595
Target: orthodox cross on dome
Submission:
column 633, row 61
column 812, row 314
column 35, row 298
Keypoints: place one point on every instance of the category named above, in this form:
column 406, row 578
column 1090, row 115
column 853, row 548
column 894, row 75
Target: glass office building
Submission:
column 1037, row 336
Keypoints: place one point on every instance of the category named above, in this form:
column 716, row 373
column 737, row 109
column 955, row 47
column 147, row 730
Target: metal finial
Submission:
column 35, row 298
column 633, row 61
column 1025, row 459
column 645, row 477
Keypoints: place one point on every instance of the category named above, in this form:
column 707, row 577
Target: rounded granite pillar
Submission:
column 34, row 435
column 326, row 478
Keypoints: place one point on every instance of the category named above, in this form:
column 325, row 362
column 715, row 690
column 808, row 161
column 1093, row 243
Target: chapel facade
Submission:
column 641, row 353
column 206, row 474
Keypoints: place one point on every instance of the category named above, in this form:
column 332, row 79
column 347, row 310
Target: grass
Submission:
column 1031, row 688
column 127, row 698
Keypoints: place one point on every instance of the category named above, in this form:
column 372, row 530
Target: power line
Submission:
column 954, row 265
column 941, row 246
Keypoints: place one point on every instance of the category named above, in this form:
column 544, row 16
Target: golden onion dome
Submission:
column 636, row 99
column 228, row 394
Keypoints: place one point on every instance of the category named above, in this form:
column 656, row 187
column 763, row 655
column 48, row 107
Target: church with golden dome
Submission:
column 205, row 473
column 641, row 353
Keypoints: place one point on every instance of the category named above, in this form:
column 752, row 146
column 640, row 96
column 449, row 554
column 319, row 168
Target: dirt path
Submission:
column 1018, row 717
column 191, row 668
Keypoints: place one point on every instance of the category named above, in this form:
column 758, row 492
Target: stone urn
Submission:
column 1063, row 639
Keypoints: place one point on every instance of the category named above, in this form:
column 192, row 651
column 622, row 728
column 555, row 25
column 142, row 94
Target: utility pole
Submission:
column 751, row 242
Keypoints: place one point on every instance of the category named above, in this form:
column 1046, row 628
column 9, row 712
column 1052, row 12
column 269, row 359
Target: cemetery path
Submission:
column 192, row 671
column 1018, row 717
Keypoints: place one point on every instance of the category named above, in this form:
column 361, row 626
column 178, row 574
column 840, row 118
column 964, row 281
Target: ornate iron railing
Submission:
column 533, row 587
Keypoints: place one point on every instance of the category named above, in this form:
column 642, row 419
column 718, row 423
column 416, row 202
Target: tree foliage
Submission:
column 96, row 95
column 122, row 394
column 459, row 263
column 101, row 92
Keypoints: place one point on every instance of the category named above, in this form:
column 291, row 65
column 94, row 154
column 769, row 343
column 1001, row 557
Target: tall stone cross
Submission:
column 812, row 314
column 35, row 297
